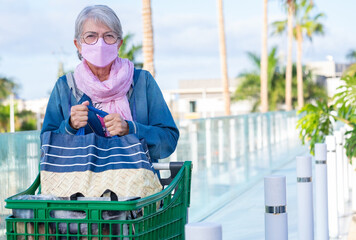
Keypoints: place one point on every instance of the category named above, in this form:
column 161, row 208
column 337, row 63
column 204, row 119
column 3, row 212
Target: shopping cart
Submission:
column 160, row 216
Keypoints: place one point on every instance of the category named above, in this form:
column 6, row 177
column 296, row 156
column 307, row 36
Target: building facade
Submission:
column 203, row 98
column 328, row 74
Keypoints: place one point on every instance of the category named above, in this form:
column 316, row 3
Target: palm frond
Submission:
column 279, row 27
column 255, row 59
column 351, row 55
column 130, row 51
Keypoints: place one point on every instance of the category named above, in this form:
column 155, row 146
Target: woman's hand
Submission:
column 116, row 125
column 79, row 115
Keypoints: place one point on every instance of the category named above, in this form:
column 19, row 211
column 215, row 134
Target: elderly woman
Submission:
column 131, row 96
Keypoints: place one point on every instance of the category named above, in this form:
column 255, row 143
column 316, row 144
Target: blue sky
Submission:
column 36, row 35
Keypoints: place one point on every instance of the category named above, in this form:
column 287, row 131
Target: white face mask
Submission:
column 100, row 54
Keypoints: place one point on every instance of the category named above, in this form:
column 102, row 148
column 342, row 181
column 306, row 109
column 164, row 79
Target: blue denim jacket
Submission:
column 153, row 122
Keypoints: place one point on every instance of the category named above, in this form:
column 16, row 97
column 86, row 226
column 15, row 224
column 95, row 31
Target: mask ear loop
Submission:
column 79, row 55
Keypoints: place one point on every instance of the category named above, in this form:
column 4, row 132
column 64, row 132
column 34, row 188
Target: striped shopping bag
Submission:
column 90, row 164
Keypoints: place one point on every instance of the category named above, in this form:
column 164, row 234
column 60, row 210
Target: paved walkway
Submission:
column 243, row 218
column 215, row 186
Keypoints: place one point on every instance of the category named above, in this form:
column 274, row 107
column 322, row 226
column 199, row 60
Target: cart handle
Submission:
column 173, row 167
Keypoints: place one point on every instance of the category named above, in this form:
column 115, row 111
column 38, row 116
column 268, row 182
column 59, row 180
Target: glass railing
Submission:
column 19, row 158
column 211, row 140
column 228, row 154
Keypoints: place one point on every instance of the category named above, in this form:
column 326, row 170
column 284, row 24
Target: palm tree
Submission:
column 148, row 46
column 351, row 69
column 279, row 28
column 4, row 118
column 7, row 87
column 223, row 63
column 288, row 98
column 130, row 52
column 305, row 25
column 263, row 75
column 351, row 55
column 249, row 88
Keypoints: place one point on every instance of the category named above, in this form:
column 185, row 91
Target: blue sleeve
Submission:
column 58, row 110
column 161, row 132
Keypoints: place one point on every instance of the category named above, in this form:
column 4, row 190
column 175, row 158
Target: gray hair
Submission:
column 99, row 13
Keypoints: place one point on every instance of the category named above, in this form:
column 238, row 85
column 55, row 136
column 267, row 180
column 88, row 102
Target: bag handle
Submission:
column 97, row 111
column 81, row 131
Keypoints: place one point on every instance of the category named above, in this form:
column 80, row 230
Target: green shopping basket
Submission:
column 160, row 216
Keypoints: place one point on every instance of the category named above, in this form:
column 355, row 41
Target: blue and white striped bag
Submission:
column 90, row 164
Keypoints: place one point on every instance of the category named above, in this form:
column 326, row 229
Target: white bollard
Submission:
column 305, row 198
column 332, row 187
column 321, row 193
column 353, row 175
column 351, row 172
column 203, row 231
column 353, row 185
column 276, row 220
column 346, row 173
column 340, row 173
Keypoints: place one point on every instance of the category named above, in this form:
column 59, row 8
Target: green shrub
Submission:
column 317, row 119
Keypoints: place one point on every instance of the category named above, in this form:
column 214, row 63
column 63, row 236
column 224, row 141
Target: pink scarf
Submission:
column 111, row 93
